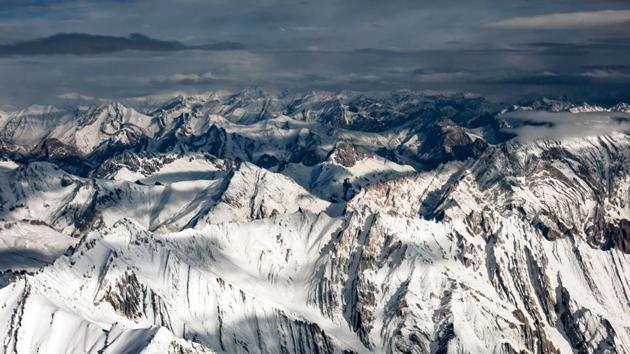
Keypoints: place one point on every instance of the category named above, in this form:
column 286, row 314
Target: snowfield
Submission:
column 321, row 223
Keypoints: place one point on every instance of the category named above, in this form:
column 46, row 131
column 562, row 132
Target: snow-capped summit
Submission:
column 621, row 107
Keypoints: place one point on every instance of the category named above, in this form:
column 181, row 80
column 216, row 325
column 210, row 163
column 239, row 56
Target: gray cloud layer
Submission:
column 360, row 45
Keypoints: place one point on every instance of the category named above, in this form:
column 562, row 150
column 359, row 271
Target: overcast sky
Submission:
column 503, row 49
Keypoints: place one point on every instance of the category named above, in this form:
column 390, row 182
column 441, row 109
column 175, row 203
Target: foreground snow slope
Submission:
column 30, row 245
column 130, row 280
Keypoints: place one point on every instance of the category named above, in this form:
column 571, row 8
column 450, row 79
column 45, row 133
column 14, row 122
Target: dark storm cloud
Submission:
column 485, row 46
column 86, row 44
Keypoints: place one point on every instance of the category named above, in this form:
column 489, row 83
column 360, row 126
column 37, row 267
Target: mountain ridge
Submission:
column 328, row 223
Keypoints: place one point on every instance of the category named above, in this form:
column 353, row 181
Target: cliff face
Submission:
column 507, row 250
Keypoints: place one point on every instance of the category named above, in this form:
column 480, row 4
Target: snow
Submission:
column 7, row 165
column 28, row 246
column 185, row 245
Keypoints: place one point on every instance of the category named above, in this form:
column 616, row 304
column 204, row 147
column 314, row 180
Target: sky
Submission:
column 505, row 50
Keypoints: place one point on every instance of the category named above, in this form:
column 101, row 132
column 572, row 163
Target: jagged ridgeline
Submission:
column 264, row 222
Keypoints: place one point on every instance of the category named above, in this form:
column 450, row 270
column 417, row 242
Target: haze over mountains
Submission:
column 264, row 222
column 505, row 51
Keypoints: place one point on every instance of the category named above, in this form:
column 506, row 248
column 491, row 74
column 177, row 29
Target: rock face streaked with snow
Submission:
column 320, row 223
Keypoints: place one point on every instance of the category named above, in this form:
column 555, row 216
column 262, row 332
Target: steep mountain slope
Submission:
column 262, row 222
column 30, row 126
column 132, row 280
column 522, row 228
column 265, row 128
column 43, row 193
column 28, row 245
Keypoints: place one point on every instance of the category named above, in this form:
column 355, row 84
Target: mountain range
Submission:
column 324, row 222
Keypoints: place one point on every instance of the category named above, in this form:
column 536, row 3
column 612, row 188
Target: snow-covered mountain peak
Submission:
column 622, row 107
